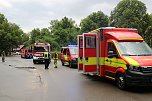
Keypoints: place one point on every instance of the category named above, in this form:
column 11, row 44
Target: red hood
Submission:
column 142, row 60
column 38, row 52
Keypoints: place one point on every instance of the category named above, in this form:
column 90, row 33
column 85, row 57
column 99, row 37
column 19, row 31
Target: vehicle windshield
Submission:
column 134, row 48
column 74, row 51
column 41, row 48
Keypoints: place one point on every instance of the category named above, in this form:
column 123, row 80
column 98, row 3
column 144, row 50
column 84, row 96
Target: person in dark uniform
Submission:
column 47, row 59
column 3, row 56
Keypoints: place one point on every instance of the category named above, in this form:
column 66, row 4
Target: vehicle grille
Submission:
column 146, row 69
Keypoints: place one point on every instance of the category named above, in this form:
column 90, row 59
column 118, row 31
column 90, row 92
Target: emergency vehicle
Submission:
column 69, row 55
column 38, row 52
column 120, row 54
column 26, row 53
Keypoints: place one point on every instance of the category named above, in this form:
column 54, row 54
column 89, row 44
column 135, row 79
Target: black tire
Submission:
column 26, row 56
column 120, row 81
column 34, row 61
column 62, row 62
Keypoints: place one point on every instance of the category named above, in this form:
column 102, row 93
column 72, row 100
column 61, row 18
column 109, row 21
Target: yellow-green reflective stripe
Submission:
column 122, row 65
column 131, row 61
column 80, row 61
column 90, row 61
column 111, row 62
column 110, row 77
column 102, row 61
column 46, row 55
column 115, row 62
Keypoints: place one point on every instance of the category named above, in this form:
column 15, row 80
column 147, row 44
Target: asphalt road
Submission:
column 21, row 80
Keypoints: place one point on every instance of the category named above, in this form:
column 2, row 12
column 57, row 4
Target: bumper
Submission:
column 74, row 62
column 38, row 58
column 138, row 78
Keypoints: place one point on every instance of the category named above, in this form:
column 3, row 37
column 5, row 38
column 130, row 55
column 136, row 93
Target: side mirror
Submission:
column 110, row 54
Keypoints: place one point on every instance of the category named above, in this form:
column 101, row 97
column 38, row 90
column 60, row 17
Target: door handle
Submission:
column 80, row 58
column 107, row 60
column 86, row 58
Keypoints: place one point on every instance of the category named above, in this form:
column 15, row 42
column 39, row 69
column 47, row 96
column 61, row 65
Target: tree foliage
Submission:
column 60, row 33
column 150, row 17
column 94, row 21
column 148, row 32
column 130, row 14
column 127, row 14
column 148, row 36
column 64, row 31
column 11, row 35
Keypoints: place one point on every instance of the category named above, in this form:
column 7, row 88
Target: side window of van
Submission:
column 68, row 53
column 64, row 51
column 81, row 43
column 111, row 47
column 90, row 42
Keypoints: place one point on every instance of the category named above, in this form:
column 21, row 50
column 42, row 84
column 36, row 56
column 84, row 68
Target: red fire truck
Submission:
column 39, row 49
column 26, row 53
column 119, row 54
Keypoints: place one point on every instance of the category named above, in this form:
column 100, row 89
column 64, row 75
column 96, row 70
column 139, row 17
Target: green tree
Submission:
column 45, row 31
column 130, row 14
column 25, row 39
column 148, row 36
column 94, row 21
column 35, row 35
column 3, row 26
column 43, row 35
column 10, row 34
column 150, row 17
column 63, row 31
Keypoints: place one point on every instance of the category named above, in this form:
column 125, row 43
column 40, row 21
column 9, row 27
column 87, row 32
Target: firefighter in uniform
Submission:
column 55, row 59
column 47, row 59
column 3, row 56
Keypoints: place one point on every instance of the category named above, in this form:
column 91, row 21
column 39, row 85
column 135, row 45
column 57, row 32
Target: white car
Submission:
column 17, row 53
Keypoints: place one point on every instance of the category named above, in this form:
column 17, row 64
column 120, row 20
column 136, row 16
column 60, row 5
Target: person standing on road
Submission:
column 3, row 56
column 55, row 59
column 47, row 59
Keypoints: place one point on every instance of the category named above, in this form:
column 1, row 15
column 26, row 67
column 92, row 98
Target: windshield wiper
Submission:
column 129, row 55
column 145, row 55
column 126, row 54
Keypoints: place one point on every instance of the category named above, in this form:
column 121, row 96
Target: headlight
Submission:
column 134, row 68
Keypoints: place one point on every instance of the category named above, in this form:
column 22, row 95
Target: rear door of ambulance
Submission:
column 80, row 52
column 90, row 58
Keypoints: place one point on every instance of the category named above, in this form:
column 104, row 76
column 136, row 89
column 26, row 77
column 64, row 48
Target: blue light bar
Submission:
column 72, row 45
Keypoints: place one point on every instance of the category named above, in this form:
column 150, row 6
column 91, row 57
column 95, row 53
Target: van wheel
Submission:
column 62, row 63
column 120, row 81
column 34, row 61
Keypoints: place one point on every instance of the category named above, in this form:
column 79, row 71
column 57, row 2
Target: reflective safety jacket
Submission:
column 55, row 55
column 46, row 55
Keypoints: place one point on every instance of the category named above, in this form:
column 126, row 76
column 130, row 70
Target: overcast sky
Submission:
column 30, row 14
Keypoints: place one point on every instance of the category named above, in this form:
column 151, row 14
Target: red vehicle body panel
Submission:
column 109, row 35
